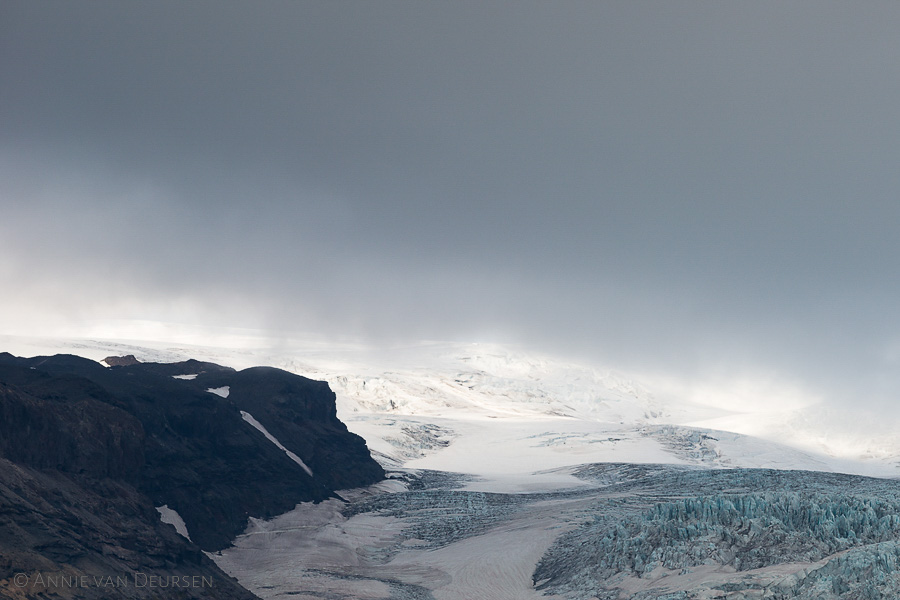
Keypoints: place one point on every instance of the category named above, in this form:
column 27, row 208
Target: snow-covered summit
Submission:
column 481, row 380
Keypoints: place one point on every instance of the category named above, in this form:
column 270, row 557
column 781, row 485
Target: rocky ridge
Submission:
column 87, row 452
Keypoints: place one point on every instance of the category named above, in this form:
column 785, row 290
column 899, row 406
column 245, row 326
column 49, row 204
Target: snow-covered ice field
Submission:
column 494, row 411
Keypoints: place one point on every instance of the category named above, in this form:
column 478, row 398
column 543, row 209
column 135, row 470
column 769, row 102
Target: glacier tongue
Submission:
column 648, row 532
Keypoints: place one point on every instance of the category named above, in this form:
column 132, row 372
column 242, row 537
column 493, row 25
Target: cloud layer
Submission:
column 693, row 188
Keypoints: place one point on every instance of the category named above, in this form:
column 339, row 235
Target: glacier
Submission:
column 514, row 475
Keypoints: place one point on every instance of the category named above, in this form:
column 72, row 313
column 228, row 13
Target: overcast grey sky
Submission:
column 681, row 186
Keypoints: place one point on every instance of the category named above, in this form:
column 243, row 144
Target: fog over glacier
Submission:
column 701, row 193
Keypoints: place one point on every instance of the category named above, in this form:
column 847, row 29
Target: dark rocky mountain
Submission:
column 87, row 452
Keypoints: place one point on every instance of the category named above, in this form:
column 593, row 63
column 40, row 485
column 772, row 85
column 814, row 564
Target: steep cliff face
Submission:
column 62, row 423
column 215, row 445
column 72, row 522
column 301, row 414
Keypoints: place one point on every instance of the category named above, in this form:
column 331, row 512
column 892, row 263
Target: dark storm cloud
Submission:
column 684, row 186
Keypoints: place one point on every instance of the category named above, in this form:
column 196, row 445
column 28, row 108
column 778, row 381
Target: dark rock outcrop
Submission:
column 121, row 361
column 301, row 414
column 86, row 452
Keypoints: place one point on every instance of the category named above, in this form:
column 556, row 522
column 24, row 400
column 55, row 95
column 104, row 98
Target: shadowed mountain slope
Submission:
column 88, row 451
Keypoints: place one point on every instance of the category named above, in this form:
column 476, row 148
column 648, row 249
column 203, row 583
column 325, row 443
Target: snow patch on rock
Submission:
column 259, row 427
column 171, row 517
column 220, row 391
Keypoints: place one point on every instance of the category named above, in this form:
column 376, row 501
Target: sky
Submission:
column 700, row 189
